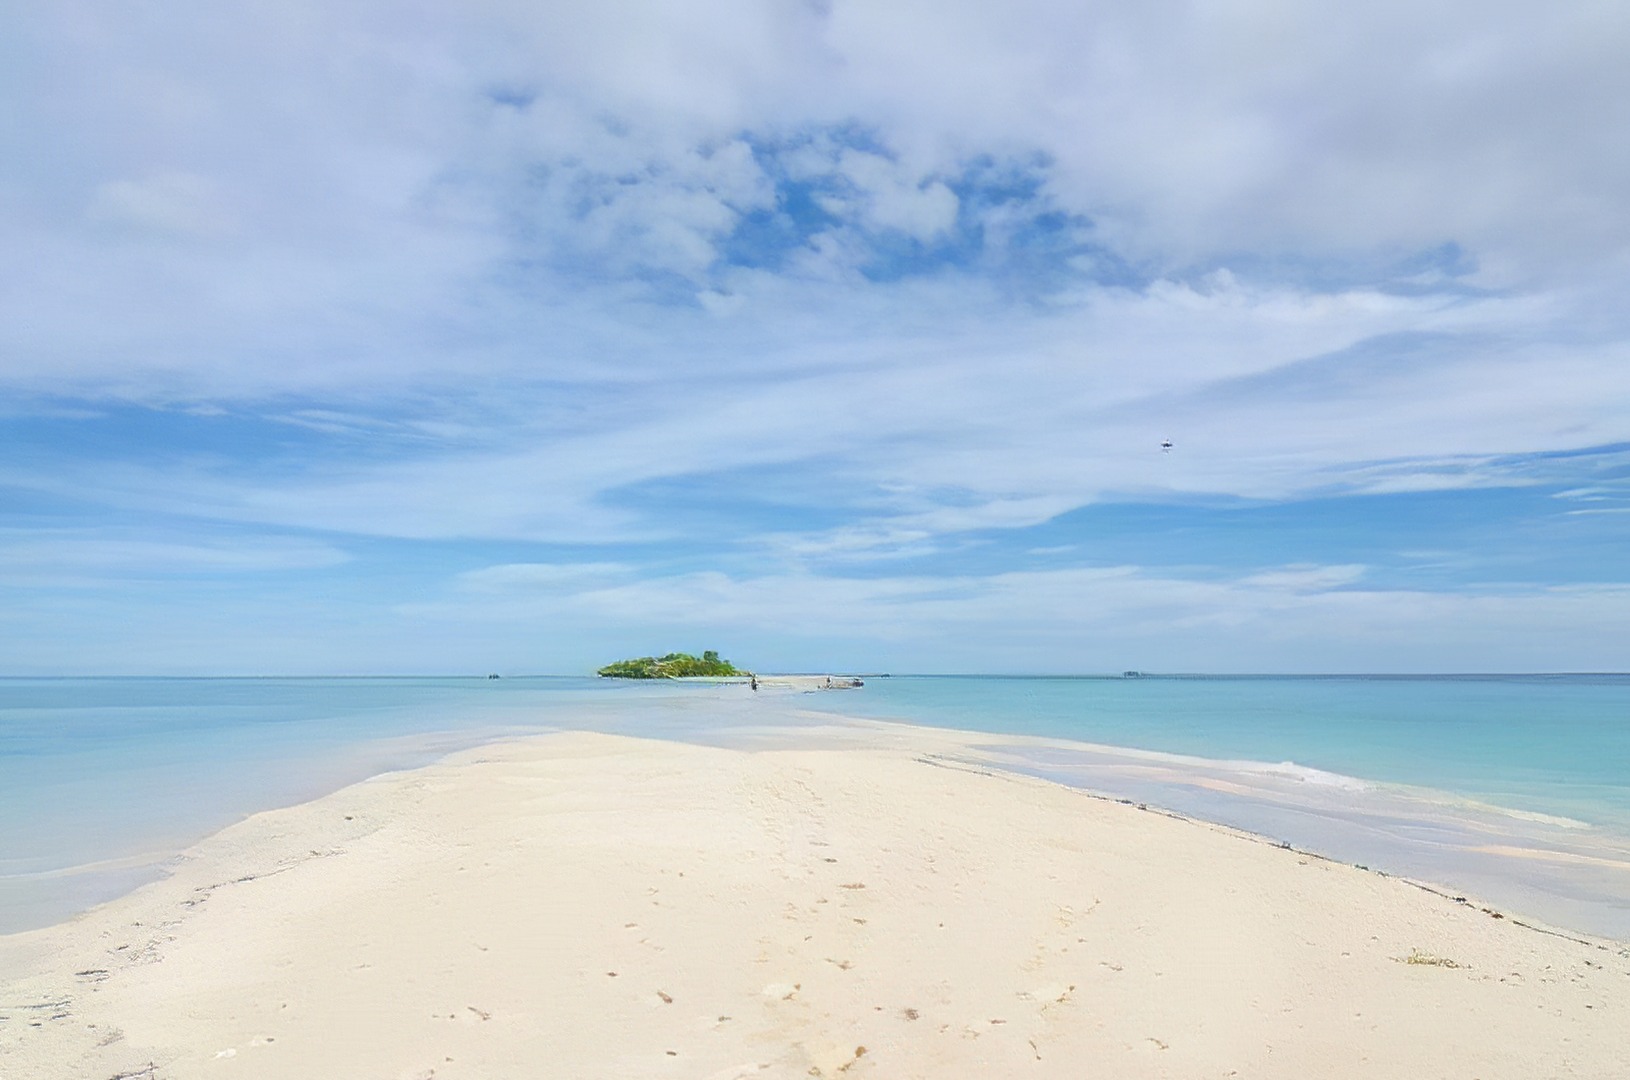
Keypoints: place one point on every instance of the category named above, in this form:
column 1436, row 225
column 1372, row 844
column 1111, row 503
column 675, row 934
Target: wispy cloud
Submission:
column 760, row 291
column 522, row 578
column 1299, row 618
column 58, row 557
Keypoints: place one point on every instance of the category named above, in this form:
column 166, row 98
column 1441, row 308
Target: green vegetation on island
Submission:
column 675, row 665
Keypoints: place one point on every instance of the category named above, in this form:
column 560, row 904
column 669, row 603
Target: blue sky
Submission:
column 513, row 337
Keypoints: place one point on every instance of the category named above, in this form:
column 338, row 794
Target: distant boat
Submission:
column 1131, row 674
column 494, row 676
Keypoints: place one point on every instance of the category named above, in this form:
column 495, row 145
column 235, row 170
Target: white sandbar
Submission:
column 583, row 905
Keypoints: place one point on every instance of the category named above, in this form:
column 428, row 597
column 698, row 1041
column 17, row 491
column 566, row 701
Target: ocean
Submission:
column 1515, row 789
column 1554, row 744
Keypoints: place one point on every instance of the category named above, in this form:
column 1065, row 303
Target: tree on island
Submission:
column 676, row 665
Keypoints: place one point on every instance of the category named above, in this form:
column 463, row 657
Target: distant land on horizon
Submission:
column 674, row 665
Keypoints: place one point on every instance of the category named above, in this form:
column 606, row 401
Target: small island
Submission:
column 673, row 666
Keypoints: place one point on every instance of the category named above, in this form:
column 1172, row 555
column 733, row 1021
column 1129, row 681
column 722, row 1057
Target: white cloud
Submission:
column 482, row 265
column 1295, row 619
column 882, row 195
column 987, row 419
column 57, row 557
column 171, row 203
column 397, row 225
column 510, row 577
column 1305, row 578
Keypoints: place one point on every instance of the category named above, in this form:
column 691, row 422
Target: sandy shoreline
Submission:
column 586, row 905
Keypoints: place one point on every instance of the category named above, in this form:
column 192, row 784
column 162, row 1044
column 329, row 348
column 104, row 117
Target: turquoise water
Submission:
column 1549, row 744
column 101, row 780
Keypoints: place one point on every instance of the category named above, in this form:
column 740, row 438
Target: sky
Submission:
column 422, row 338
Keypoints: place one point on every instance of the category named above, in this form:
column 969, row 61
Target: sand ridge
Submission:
column 583, row 905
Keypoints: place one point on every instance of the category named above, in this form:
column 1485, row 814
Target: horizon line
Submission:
column 1128, row 675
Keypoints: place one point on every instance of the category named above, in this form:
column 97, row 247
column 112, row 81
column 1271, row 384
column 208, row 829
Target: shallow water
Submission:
column 103, row 780
column 1551, row 744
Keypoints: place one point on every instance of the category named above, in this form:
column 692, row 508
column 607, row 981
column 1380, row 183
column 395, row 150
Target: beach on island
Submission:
column 590, row 905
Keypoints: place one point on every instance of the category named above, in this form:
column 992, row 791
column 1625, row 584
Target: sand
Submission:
column 583, row 906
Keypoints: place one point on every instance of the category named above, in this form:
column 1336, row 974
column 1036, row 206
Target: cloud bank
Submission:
column 857, row 296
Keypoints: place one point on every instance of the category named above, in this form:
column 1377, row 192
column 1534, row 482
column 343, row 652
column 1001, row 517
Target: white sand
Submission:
column 583, row 906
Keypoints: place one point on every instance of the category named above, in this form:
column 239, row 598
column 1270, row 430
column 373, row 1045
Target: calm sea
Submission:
column 103, row 780
column 1556, row 744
